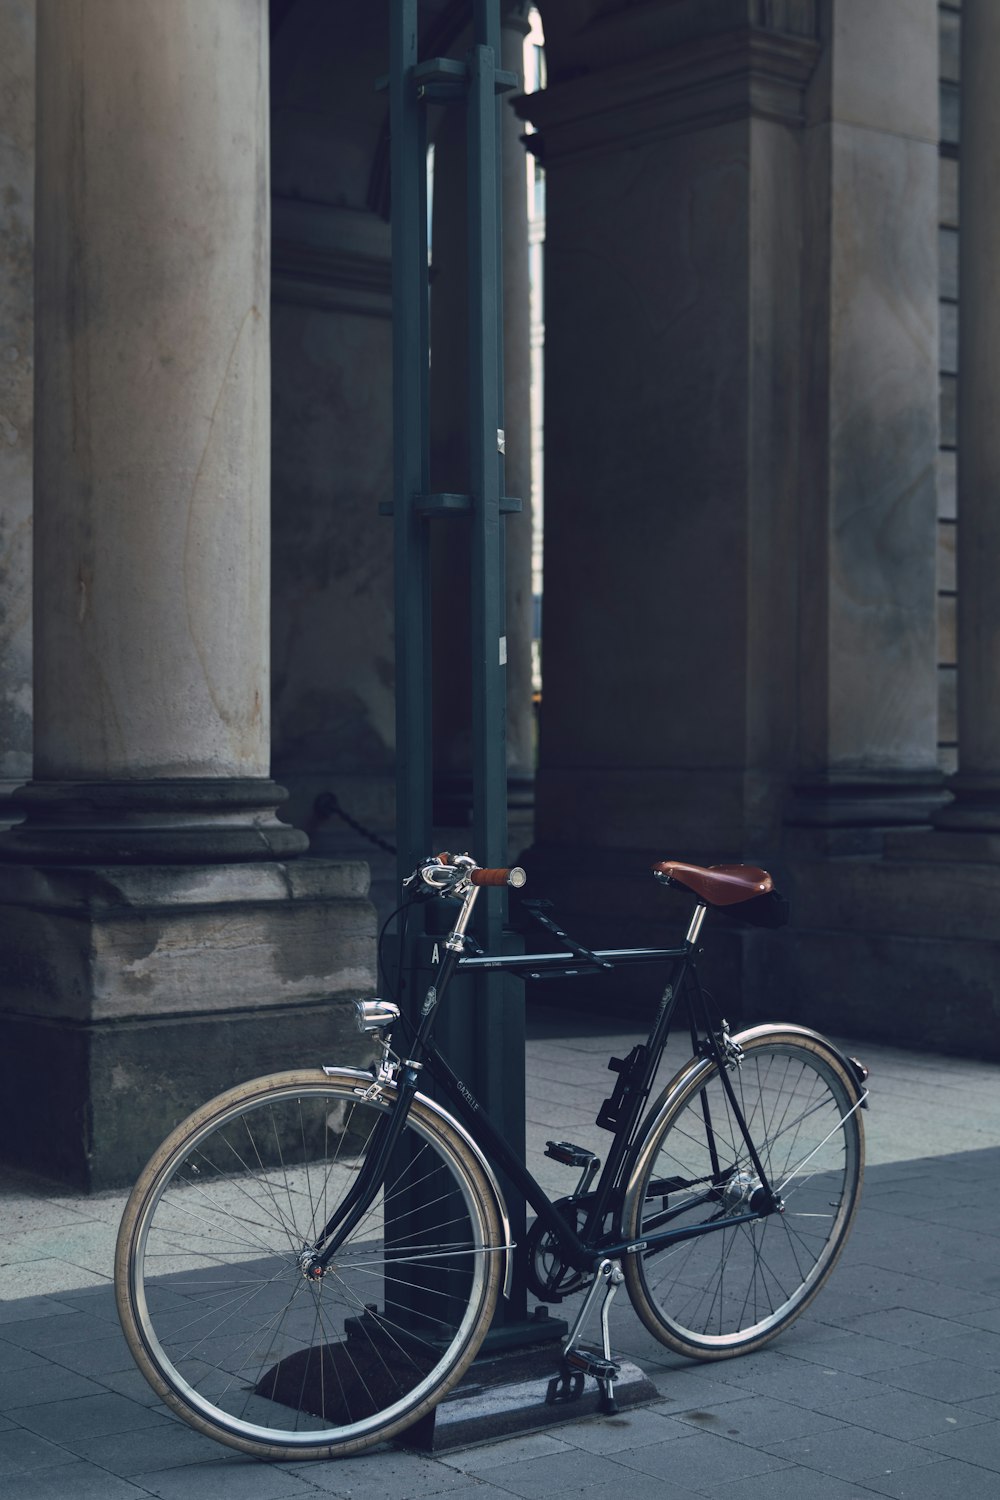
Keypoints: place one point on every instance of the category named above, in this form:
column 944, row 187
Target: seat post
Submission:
column 697, row 917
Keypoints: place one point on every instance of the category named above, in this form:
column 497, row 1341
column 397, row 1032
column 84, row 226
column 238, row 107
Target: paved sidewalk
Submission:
column 888, row 1385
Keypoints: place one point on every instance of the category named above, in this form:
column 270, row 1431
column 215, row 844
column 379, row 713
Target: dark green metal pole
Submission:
column 408, row 162
column 499, row 1006
column 484, row 1026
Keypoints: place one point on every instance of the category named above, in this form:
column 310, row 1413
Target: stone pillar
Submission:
column 149, row 958
column 977, row 785
column 17, row 191
column 867, row 632
column 152, row 438
column 670, row 140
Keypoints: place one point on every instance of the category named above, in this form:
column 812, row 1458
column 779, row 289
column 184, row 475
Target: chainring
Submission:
column 547, row 1274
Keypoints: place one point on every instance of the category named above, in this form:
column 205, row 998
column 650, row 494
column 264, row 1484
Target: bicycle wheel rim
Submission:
column 255, row 1353
column 737, row 1287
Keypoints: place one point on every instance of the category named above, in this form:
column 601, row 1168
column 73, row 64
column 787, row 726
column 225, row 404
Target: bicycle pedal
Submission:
column 592, row 1363
column 565, row 1387
column 568, row 1154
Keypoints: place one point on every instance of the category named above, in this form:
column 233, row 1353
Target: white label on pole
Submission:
column 503, row 650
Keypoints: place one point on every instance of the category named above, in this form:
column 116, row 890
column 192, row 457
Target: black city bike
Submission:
column 311, row 1260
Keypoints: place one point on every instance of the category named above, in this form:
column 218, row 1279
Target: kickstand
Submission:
column 603, row 1367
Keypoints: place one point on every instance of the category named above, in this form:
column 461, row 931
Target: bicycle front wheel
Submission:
column 735, row 1286
column 212, row 1295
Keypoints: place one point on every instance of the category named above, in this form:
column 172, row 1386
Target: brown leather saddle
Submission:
column 717, row 885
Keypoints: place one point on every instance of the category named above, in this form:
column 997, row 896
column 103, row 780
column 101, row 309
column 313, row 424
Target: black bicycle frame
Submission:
column 581, row 1251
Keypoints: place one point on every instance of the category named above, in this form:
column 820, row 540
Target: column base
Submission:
column 133, row 995
column 976, row 804
column 176, row 820
column 10, row 810
column 849, row 800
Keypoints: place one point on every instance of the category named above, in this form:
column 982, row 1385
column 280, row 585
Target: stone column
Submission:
column 17, row 189
column 152, row 437
column 670, row 140
column 153, row 946
column 867, row 632
column 977, row 785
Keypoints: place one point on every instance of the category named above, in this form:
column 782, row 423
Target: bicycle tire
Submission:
column 733, row 1290
column 218, row 1312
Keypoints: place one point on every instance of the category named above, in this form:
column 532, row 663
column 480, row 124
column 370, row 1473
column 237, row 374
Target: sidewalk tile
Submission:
column 848, row 1452
column 507, row 1451
column 41, row 1384
column 974, row 1445
column 88, row 1416
column 702, row 1458
column 758, row 1420
column 631, row 1429
column 378, row 1475
column 793, row 1483
column 949, row 1479
column 167, row 1445
column 75, row 1481
column 947, row 1379
column 906, row 1415
column 580, row 1472
column 225, row 1479
column 22, row 1452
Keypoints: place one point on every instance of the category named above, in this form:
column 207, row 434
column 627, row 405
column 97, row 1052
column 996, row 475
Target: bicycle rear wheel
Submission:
column 730, row 1290
column 215, row 1305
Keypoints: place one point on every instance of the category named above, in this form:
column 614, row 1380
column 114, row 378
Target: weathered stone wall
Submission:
column 17, row 192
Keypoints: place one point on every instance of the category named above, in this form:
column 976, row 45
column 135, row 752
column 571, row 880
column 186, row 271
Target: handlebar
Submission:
column 453, row 874
column 514, row 876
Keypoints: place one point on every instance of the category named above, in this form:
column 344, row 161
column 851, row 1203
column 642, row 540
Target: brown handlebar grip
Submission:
column 514, row 876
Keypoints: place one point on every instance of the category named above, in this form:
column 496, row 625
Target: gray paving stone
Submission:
column 906, row 1415
column 977, row 1347
column 22, row 1452
column 640, row 1487
column 799, row 1381
column 948, row 1480
column 222, row 1479
column 848, row 1452
column 97, row 1357
column 981, row 1317
column 974, row 1445
column 133, row 1384
column 26, row 1309
column 702, row 1459
column 477, row 1489
column 13, row 1357
column 42, row 1383
column 682, row 1390
column 757, row 1420
column 945, row 1378
column 49, row 1332
column 507, row 1451
column 575, row 1470
column 164, row 1446
column 856, row 1353
column 382, row 1474
column 793, row 1483
column 632, row 1429
column 76, row 1481
column 904, row 1325
column 98, row 1301
column 88, row 1416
